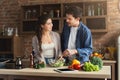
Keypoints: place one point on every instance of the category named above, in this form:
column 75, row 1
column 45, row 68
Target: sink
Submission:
column 2, row 64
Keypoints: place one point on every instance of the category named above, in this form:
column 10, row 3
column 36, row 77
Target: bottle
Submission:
column 102, row 9
column 58, row 13
column 98, row 9
column 26, row 15
column 29, row 14
column 92, row 10
column 3, row 30
column 51, row 13
column 31, row 61
column 34, row 14
column 16, row 31
column 89, row 11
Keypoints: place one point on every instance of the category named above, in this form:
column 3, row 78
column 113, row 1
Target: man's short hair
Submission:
column 74, row 10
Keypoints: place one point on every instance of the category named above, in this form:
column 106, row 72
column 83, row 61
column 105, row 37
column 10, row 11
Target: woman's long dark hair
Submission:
column 41, row 21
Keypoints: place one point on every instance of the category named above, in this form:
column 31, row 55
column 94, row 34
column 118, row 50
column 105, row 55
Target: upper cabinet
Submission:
column 54, row 10
column 94, row 15
column 30, row 13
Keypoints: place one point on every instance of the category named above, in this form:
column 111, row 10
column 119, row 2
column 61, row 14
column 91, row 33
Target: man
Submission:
column 76, row 38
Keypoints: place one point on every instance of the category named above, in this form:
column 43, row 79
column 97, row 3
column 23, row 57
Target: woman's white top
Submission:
column 72, row 38
column 48, row 50
column 38, row 56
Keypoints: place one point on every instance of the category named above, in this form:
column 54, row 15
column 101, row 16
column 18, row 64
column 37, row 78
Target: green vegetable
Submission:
column 88, row 66
column 97, row 61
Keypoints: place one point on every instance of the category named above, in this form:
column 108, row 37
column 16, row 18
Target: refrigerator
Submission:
column 119, row 58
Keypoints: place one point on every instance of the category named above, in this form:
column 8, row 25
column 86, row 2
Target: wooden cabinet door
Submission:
column 2, row 77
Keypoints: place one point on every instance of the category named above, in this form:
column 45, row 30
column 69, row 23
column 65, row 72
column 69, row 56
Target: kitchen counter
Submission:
column 111, row 63
column 104, row 73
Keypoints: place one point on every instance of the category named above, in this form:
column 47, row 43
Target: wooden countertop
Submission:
column 109, row 61
column 105, row 72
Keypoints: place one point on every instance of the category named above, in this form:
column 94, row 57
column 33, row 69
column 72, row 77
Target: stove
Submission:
column 9, row 64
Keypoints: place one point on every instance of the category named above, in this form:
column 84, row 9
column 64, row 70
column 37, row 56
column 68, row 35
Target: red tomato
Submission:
column 77, row 66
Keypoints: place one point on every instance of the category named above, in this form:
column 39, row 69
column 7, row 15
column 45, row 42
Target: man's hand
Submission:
column 66, row 53
column 69, row 52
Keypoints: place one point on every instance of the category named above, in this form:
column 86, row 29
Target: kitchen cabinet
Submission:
column 32, row 12
column 3, row 77
column 94, row 15
column 10, row 47
column 19, row 78
column 47, row 78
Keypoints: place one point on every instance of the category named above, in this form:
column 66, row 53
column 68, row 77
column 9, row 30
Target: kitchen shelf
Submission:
column 94, row 15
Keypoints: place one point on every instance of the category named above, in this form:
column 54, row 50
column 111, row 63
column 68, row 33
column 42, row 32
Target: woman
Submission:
column 46, row 43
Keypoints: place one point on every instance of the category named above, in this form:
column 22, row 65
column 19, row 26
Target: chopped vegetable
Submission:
column 58, row 63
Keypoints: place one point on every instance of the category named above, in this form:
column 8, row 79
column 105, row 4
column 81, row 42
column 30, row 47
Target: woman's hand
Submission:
column 60, row 57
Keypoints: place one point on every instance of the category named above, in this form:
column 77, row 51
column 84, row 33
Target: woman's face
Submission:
column 48, row 25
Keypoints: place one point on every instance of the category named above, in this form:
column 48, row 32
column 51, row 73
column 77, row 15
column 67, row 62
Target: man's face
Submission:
column 71, row 21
